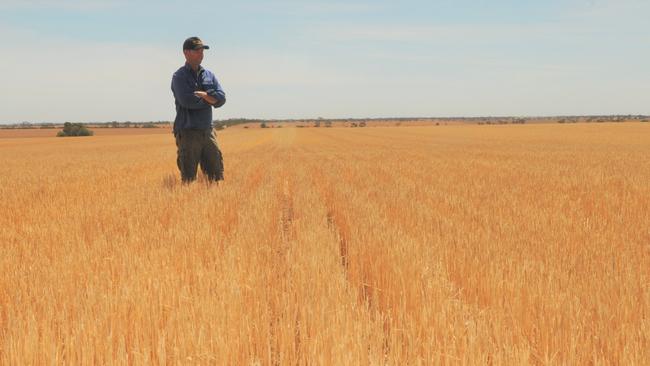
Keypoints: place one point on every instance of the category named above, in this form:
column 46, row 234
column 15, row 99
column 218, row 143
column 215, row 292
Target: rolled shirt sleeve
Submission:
column 217, row 92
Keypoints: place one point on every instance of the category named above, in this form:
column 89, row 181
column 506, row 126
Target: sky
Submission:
column 96, row 60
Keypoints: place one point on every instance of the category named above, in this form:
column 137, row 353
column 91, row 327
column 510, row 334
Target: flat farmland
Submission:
column 500, row 245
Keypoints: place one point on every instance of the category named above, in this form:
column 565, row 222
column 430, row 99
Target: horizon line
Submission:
column 348, row 118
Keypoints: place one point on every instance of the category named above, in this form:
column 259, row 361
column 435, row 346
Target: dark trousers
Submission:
column 199, row 147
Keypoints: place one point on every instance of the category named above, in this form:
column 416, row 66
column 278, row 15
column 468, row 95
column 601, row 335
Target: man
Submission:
column 196, row 91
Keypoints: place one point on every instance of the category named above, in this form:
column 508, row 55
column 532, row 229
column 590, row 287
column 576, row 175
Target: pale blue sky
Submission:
column 97, row 60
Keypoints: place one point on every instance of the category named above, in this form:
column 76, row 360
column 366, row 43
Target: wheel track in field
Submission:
column 471, row 308
column 339, row 225
column 288, row 235
column 365, row 282
column 287, row 214
column 283, row 238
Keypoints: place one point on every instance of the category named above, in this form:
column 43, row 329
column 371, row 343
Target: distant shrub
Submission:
column 74, row 129
column 263, row 125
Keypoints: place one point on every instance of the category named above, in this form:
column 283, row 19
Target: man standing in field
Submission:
column 196, row 91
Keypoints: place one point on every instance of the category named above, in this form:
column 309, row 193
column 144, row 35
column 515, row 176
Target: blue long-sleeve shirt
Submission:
column 194, row 112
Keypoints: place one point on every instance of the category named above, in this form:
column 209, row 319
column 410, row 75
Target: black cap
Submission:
column 194, row 43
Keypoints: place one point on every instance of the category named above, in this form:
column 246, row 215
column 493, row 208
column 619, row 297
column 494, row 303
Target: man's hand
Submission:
column 205, row 96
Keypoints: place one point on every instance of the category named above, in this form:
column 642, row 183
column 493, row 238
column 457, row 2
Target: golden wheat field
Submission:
column 448, row 245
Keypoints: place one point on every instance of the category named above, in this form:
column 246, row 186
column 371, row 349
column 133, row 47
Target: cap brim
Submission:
column 204, row 47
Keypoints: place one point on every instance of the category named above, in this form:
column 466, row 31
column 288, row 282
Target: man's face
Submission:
column 194, row 57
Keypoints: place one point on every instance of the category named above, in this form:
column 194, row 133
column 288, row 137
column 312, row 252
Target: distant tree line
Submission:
column 129, row 124
column 221, row 124
column 353, row 122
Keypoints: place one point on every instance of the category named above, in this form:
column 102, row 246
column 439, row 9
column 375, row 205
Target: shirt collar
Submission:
column 189, row 68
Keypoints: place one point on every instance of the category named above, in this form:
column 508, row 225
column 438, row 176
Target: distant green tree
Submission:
column 74, row 129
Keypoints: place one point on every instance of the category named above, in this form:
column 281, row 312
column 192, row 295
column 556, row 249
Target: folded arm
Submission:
column 207, row 98
column 184, row 94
